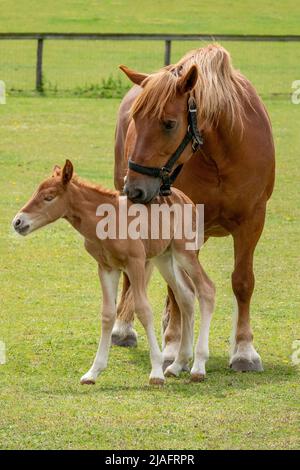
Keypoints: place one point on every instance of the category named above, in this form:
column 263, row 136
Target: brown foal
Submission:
column 64, row 195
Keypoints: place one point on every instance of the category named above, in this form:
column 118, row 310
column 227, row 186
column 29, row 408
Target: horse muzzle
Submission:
column 21, row 223
column 142, row 193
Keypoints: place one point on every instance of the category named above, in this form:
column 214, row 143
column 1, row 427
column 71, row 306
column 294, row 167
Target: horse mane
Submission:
column 82, row 183
column 220, row 89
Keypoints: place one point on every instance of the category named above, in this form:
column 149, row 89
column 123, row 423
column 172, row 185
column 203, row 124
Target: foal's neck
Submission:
column 83, row 201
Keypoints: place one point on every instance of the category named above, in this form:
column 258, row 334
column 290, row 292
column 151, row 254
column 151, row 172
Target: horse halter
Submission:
column 165, row 173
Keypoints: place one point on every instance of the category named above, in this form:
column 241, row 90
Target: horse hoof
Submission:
column 169, row 373
column 156, row 381
column 196, row 377
column 87, row 382
column 168, row 363
column 245, row 365
column 128, row 341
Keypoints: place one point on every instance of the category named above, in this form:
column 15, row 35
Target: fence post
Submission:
column 167, row 52
column 39, row 66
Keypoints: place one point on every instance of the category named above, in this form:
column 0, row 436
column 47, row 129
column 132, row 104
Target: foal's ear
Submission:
column 135, row 77
column 67, row 172
column 56, row 170
column 187, row 82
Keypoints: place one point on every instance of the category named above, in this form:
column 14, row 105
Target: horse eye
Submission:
column 48, row 198
column 169, row 124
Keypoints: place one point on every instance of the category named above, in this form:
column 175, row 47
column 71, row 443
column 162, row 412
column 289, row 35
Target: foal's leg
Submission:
column 244, row 357
column 171, row 329
column 206, row 296
column 184, row 295
column 123, row 333
column 137, row 276
column 109, row 283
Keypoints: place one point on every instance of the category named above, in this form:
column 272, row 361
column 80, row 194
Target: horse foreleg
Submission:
column 243, row 355
column 123, row 332
column 109, row 282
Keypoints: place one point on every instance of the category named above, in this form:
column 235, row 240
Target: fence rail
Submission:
column 167, row 38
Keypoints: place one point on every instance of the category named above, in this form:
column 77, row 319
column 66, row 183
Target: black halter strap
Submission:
column 164, row 173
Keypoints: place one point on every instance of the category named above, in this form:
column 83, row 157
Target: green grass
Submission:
column 49, row 286
column 190, row 16
column 50, row 302
column 70, row 65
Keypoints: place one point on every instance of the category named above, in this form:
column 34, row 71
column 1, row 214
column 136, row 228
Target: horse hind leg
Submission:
column 171, row 329
column 144, row 313
column 184, row 296
column 123, row 333
column 206, row 297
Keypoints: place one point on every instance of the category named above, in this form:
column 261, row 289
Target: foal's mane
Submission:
column 220, row 89
column 81, row 183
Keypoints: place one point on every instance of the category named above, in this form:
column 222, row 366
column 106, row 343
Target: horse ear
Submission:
column 56, row 170
column 187, row 82
column 67, row 172
column 135, row 77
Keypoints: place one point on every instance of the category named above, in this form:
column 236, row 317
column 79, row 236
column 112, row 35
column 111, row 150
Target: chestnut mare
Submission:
column 63, row 195
column 232, row 173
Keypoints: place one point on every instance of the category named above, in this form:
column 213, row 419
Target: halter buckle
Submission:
column 165, row 189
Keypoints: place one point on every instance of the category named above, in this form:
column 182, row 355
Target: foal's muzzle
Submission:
column 21, row 224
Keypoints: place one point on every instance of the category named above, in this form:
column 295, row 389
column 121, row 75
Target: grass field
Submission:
column 233, row 16
column 80, row 65
column 50, row 302
column 49, row 286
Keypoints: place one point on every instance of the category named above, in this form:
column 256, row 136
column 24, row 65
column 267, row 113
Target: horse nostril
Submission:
column 17, row 223
column 137, row 195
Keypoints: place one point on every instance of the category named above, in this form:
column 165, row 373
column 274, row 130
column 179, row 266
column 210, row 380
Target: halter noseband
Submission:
column 165, row 173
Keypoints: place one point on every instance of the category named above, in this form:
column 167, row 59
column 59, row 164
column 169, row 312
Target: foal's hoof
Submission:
column 174, row 370
column 129, row 341
column 170, row 373
column 156, row 381
column 87, row 381
column 196, row 377
column 246, row 365
column 167, row 363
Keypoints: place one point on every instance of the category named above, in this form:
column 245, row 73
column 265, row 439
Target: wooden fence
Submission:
column 167, row 38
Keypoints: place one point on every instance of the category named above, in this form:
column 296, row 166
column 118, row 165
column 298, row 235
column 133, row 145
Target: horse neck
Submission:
column 222, row 141
column 82, row 203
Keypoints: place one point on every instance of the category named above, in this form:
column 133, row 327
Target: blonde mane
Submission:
column 220, row 89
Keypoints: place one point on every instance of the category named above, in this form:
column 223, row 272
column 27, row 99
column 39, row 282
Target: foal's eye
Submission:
column 169, row 124
column 49, row 197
